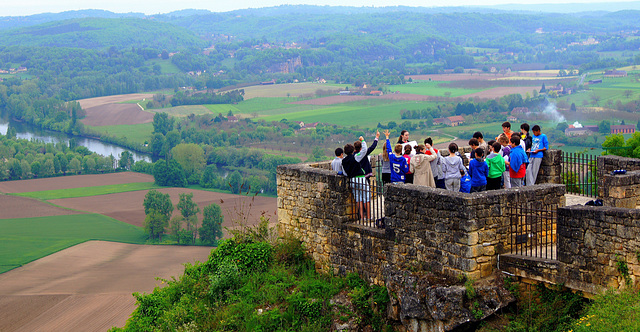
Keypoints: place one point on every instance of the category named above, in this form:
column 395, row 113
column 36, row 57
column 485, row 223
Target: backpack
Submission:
column 465, row 183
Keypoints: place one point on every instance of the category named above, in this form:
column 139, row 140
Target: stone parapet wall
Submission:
column 591, row 242
column 619, row 190
column 550, row 168
column 457, row 233
column 622, row 190
column 427, row 228
column 607, row 164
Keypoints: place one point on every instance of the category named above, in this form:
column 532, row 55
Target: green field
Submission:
column 89, row 191
column 223, row 109
column 135, row 133
column 432, row 88
column 166, row 66
column 366, row 113
column 27, row 239
column 183, row 111
column 271, row 106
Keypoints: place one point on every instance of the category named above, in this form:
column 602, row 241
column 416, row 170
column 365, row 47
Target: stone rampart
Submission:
column 426, row 228
column 621, row 190
column 593, row 245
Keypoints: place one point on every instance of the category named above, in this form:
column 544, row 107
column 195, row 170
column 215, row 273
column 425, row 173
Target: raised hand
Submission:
column 377, row 134
column 386, row 133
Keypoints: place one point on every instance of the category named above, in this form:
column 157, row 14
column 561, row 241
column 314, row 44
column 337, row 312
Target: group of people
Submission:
column 512, row 159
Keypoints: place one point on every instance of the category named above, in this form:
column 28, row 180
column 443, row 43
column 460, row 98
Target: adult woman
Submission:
column 404, row 137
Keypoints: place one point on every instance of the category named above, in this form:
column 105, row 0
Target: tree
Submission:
column 126, row 160
column 604, row 127
column 543, row 89
column 191, row 159
column 235, row 182
column 155, row 200
column 210, row 176
column 627, row 93
column 189, row 211
column 573, row 107
column 211, row 229
column 562, row 126
column 158, row 209
column 317, row 154
column 154, row 224
column 162, row 123
column 169, row 173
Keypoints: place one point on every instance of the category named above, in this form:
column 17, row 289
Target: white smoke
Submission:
column 577, row 125
column 552, row 113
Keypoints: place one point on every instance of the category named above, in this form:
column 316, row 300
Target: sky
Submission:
column 149, row 7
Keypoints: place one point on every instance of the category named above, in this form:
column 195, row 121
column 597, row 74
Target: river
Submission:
column 29, row 132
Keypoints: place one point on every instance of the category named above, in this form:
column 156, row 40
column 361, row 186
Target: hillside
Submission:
column 98, row 33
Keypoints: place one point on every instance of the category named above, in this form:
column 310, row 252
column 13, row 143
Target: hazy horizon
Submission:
column 32, row 7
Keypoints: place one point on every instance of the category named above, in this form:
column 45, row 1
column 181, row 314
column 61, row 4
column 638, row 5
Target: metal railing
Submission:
column 367, row 197
column 579, row 173
column 533, row 231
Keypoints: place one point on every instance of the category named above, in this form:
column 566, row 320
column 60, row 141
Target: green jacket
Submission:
column 496, row 165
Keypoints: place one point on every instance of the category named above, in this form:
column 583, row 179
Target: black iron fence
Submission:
column 367, row 207
column 579, row 173
column 533, row 231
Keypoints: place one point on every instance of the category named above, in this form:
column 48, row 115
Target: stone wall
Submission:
column 619, row 190
column 550, row 168
column 427, row 228
column 622, row 190
column 591, row 242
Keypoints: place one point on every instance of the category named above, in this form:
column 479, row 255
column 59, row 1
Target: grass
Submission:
column 89, row 191
column 222, row 109
column 136, row 133
column 432, row 88
column 361, row 113
column 271, row 106
column 183, row 111
column 27, row 239
column 166, row 66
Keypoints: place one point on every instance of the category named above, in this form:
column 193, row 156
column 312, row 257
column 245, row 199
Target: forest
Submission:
column 49, row 62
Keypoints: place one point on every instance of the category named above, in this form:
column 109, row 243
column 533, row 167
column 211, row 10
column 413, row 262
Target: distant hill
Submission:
column 94, row 33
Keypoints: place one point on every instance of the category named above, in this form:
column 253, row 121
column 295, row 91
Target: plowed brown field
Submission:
column 22, row 207
column 87, row 287
column 128, row 207
column 76, row 181
column 107, row 111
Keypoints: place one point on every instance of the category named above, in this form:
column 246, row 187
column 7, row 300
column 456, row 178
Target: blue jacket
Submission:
column 517, row 157
column 478, row 170
column 397, row 164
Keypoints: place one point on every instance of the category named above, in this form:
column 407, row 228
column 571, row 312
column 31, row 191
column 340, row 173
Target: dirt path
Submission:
column 87, row 287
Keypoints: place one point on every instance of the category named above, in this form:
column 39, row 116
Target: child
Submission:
column 397, row 163
column 539, row 145
column 408, row 177
column 506, row 149
column 436, row 164
column 483, row 144
column 506, row 129
column 478, row 170
column 452, row 168
column 386, row 170
column 420, row 165
column 517, row 162
column 474, row 144
column 524, row 129
column 364, row 160
column 359, row 184
column 495, row 161
column 336, row 164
